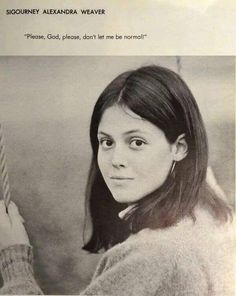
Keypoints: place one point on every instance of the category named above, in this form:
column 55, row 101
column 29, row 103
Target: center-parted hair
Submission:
column 160, row 96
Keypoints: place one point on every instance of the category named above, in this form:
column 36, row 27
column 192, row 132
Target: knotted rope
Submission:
column 4, row 173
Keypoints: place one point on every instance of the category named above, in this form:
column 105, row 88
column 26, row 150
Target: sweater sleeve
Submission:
column 16, row 265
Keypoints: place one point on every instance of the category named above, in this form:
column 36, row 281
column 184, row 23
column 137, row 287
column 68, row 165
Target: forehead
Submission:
column 119, row 119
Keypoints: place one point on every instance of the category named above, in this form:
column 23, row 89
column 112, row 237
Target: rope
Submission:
column 4, row 173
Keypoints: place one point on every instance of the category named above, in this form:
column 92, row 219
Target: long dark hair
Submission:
column 160, row 96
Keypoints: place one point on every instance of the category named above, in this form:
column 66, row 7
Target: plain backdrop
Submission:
column 45, row 109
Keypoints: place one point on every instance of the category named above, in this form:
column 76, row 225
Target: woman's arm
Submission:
column 16, row 265
column 16, row 257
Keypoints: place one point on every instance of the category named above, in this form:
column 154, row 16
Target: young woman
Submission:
column 165, row 228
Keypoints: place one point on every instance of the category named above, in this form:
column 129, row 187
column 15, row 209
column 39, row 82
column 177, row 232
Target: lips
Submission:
column 120, row 178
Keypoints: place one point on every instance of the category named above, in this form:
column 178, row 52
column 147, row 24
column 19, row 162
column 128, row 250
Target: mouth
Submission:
column 121, row 178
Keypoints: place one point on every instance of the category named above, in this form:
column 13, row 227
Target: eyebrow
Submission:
column 125, row 133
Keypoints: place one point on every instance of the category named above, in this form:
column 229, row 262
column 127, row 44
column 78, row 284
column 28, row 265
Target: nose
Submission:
column 119, row 158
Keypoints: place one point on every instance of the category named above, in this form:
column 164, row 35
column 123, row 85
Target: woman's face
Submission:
column 134, row 155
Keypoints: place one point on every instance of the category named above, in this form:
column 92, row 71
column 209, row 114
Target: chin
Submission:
column 125, row 199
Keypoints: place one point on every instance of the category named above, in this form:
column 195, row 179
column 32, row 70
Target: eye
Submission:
column 137, row 143
column 106, row 143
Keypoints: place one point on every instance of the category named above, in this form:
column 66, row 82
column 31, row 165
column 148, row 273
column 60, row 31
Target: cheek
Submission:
column 100, row 161
column 103, row 162
column 155, row 166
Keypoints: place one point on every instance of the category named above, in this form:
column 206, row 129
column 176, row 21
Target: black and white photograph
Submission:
column 117, row 175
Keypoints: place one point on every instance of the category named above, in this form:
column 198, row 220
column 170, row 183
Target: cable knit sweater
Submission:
column 191, row 259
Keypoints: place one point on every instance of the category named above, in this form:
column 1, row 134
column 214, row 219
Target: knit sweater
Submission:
column 188, row 259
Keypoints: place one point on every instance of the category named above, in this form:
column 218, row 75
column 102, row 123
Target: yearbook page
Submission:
column 117, row 147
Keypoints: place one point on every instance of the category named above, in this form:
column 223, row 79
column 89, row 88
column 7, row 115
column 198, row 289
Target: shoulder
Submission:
column 148, row 248
column 136, row 265
column 187, row 240
column 188, row 256
column 140, row 253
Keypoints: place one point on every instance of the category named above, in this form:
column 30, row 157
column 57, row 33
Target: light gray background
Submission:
column 45, row 108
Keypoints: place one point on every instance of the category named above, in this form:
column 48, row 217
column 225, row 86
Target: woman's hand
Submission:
column 12, row 230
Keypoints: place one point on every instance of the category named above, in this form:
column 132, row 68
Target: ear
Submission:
column 180, row 148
